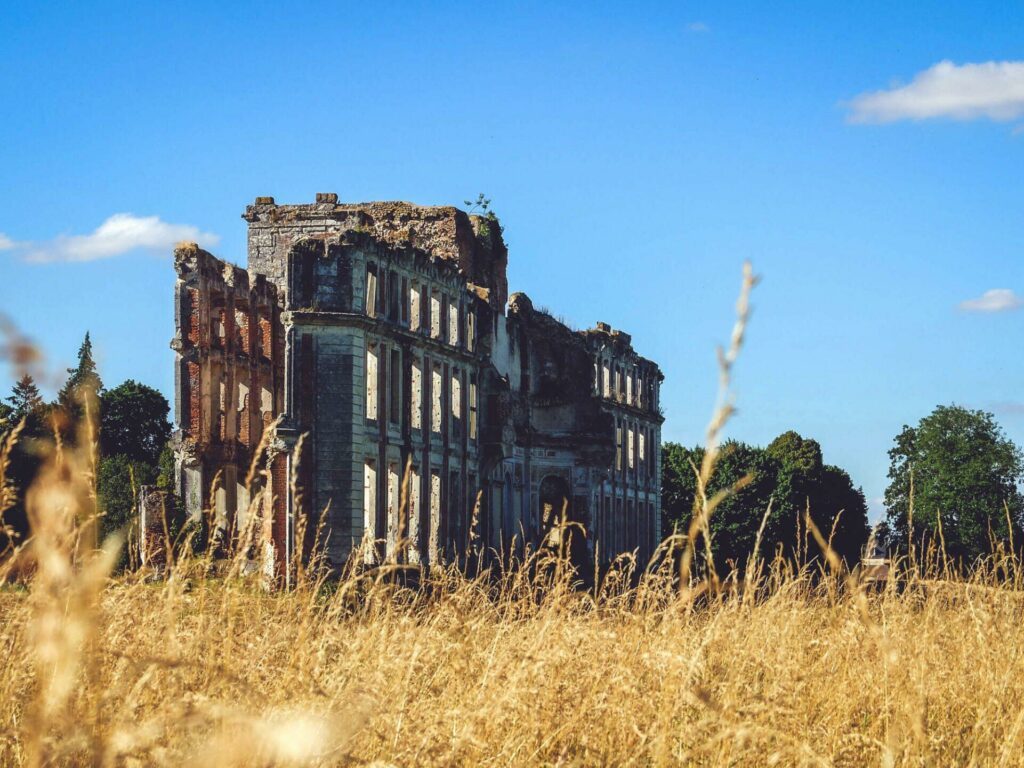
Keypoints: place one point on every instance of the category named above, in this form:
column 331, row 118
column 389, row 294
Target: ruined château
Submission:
column 372, row 341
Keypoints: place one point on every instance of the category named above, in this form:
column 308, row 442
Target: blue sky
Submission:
column 636, row 153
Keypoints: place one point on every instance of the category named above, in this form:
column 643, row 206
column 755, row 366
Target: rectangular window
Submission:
column 395, row 389
column 414, row 516
column 369, row 507
column 435, row 315
column 629, row 388
column 434, row 540
column 651, row 465
column 456, row 404
column 453, row 324
column 405, row 301
column 606, row 386
column 435, row 399
column 630, row 437
column 472, row 408
column 393, row 499
column 371, row 290
column 415, row 311
column 394, row 298
column 618, row 447
column 618, row 384
column 597, row 378
column 371, row 382
column 643, row 453
column 471, row 330
column 416, row 395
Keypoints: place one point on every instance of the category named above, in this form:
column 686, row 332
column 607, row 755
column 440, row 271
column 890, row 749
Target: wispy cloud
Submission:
column 119, row 234
column 995, row 300
column 992, row 90
column 698, row 26
column 6, row 243
column 1009, row 408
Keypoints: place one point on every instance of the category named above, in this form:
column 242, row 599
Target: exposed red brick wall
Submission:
column 244, row 419
column 279, row 489
column 194, row 325
column 266, row 338
column 228, row 334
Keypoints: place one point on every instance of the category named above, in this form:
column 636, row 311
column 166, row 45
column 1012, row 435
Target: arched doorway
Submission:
column 554, row 500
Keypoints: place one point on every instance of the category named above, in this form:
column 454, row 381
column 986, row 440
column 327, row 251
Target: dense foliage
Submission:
column 960, row 474
column 134, row 422
column 134, row 435
column 790, row 476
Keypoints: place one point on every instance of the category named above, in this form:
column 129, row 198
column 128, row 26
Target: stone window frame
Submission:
column 372, row 404
column 370, row 504
column 473, row 407
column 436, row 313
column 416, row 393
column 415, row 305
column 370, row 299
column 455, row 398
column 471, row 329
column 436, row 398
column 454, row 316
column 395, row 387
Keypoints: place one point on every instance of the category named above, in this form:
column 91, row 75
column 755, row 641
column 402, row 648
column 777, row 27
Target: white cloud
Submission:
column 698, row 26
column 991, row 89
column 6, row 243
column 121, row 233
column 995, row 300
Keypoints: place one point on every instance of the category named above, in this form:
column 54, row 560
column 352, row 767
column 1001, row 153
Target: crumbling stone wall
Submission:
column 228, row 382
column 385, row 351
column 473, row 243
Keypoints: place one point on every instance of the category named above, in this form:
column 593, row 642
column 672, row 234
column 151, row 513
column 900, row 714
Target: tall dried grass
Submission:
column 797, row 664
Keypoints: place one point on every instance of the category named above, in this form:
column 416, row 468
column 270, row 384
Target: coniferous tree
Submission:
column 25, row 398
column 82, row 378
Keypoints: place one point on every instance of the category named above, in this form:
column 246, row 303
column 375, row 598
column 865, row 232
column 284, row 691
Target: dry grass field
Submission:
column 520, row 670
column 796, row 665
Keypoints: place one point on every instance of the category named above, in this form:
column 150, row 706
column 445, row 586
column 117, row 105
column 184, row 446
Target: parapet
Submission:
column 473, row 243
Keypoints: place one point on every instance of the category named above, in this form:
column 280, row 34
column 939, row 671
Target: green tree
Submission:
column 957, row 467
column 117, row 484
column 806, row 485
column 791, row 475
column 841, row 506
column 82, row 378
column 736, row 519
column 165, row 469
column 25, row 398
column 133, row 422
column 25, row 457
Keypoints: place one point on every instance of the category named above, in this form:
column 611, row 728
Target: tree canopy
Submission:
column 25, row 398
column 133, row 422
column 957, row 468
column 82, row 378
column 790, row 475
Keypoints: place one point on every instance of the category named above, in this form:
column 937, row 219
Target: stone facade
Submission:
column 408, row 403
